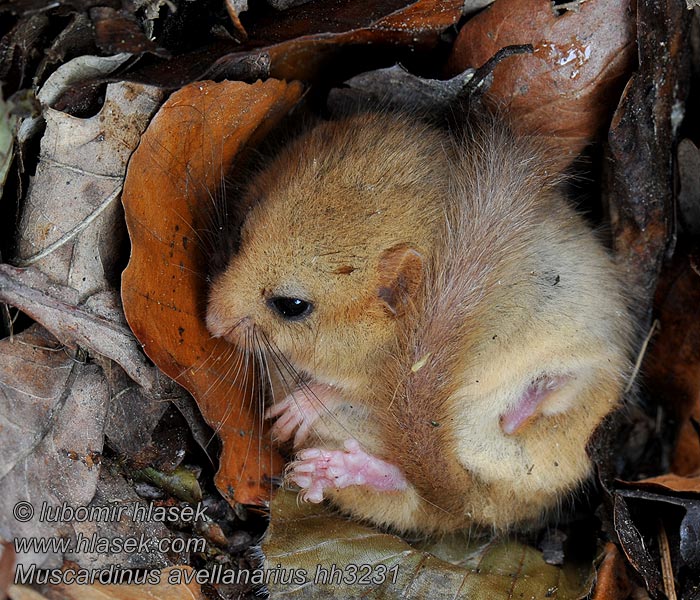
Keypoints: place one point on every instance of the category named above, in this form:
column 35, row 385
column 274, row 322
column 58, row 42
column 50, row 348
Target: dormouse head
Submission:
column 334, row 247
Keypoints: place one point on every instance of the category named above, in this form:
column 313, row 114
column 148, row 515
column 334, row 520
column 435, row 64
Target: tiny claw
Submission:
column 302, row 481
column 297, row 412
column 310, row 453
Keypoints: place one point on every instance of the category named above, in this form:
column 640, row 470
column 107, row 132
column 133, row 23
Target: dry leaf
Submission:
column 7, row 567
column 634, row 547
column 73, row 73
column 566, row 89
column 190, row 145
column 119, row 31
column 672, row 366
column 396, row 88
column 20, row 592
column 102, row 331
column 612, row 582
column 689, row 194
column 670, row 483
column 52, row 413
column 658, row 496
column 639, row 175
column 71, row 218
column 234, row 9
column 7, row 127
column 302, row 43
column 313, row 543
column 172, row 584
column 113, row 486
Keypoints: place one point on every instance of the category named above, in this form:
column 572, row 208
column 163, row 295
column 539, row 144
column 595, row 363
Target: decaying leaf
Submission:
column 330, row 555
column 21, row 592
column 112, row 485
column 689, row 194
column 7, row 126
column 19, row 46
column 639, row 173
column 633, row 545
column 74, row 73
column 673, row 364
column 173, row 583
column 52, row 414
column 101, row 331
column 566, row 88
column 234, row 9
column 661, row 497
column 303, row 43
column 183, row 156
column 73, row 200
column 612, row 582
column 119, row 31
column 396, row 88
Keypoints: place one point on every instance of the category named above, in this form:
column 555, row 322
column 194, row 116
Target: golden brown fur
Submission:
column 446, row 275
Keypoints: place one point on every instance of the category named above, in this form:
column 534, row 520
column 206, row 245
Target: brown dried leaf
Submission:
column 689, row 194
column 190, row 145
column 640, row 177
column 52, row 413
column 567, row 88
column 119, row 31
column 234, row 9
column 174, row 583
column 312, row 542
column 669, row 483
column 7, row 564
column 71, row 219
column 672, row 366
column 303, row 42
column 102, row 330
column 19, row 46
column 612, row 582
column 21, row 592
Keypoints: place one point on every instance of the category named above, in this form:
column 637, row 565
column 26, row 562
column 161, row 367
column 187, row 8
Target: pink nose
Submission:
column 220, row 326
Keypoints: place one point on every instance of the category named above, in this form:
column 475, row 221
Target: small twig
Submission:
column 666, row 564
column 640, row 356
column 487, row 68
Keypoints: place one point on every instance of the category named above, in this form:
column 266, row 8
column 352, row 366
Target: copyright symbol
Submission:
column 23, row 511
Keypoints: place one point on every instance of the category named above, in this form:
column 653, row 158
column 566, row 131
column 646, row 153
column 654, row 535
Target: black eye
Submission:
column 291, row 309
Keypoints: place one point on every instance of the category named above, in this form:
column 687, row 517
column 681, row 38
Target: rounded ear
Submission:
column 400, row 276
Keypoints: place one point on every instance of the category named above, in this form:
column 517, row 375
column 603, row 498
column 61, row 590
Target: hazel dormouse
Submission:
column 442, row 330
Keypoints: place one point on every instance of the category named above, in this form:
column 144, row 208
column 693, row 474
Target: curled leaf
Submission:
column 565, row 89
column 189, row 147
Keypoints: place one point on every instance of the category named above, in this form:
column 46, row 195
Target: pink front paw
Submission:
column 316, row 470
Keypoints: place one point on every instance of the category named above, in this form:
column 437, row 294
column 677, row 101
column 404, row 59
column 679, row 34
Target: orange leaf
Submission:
column 612, row 582
column 191, row 142
column 567, row 88
column 307, row 44
column 670, row 483
column 672, row 366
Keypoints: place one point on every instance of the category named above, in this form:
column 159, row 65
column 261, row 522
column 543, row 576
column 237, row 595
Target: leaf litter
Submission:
column 70, row 287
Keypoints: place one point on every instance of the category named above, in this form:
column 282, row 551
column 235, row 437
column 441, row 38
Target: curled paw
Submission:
column 296, row 414
column 317, row 470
